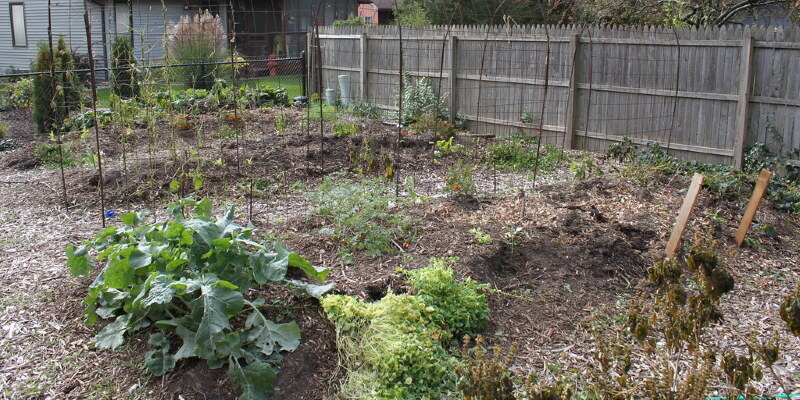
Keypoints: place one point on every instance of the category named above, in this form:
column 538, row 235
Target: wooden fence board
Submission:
column 630, row 74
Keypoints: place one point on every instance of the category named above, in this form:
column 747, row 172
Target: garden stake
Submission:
column 231, row 36
column 101, row 182
column 675, row 96
column 396, row 166
column 321, row 115
column 752, row 206
column 683, row 216
column 55, row 109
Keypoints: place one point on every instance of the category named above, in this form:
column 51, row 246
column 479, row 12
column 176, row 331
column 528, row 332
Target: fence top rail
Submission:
column 109, row 69
column 771, row 33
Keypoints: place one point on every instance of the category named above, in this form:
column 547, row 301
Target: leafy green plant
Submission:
column 3, row 130
column 185, row 280
column 459, row 179
column 438, row 128
column 365, row 109
column 397, row 348
column 419, row 99
column 343, row 127
column 519, row 153
column 22, row 93
column 481, row 237
column 51, row 156
column 458, row 306
column 282, row 122
column 444, row 147
column 586, row 166
column 361, row 214
column 124, row 79
column 623, row 151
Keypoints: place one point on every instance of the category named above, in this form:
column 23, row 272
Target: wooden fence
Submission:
column 706, row 94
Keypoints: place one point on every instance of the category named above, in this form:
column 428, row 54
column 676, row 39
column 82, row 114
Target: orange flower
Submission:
column 455, row 187
column 405, row 244
column 405, row 132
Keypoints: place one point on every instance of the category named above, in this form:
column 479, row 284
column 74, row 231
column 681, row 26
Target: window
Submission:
column 18, row 36
column 368, row 20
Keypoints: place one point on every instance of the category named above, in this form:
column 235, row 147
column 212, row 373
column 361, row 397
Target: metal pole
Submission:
column 88, row 24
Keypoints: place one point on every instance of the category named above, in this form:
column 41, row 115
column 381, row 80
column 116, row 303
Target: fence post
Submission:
column 363, row 66
column 572, row 100
column 304, row 72
column 451, row 76
column 745, row 86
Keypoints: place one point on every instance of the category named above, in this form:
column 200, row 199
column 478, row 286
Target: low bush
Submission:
column 651, row 161
column 188, row 281
column 362, row 214
column 52, row 156
column 400, row 347
column 519, row 153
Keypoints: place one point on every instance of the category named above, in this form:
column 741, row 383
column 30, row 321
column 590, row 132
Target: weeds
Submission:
column 361, row 214
column 519, row 153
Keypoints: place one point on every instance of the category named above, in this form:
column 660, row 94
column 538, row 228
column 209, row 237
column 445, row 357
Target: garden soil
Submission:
column 562, row 251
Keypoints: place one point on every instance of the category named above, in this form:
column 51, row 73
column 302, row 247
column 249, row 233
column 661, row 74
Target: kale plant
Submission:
column 187, row 278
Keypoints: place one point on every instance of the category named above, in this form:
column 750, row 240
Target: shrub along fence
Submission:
column 705, row 94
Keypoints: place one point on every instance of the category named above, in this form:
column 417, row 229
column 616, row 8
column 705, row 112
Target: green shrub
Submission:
column 185, row 280
column 459, row 306
column 459, row 179
column 3, row 130
column 352, row 20
column 418, row 98
column 197, row 39
column 51, row 155
column 396, row 348
column 124, row 81
column 53, row 99
column 362, row 214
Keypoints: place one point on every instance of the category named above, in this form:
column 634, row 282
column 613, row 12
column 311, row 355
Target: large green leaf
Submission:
column 316, row 291
column 270, row 337
column 119, row 273
column 218, row 305
column 256, row 380
column 140, row 259
column 159, row 361
column 268, row 267
column 78, row 260
column 112, row 336
column 156, row 290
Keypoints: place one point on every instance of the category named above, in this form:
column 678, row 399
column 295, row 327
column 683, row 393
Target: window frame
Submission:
column 13, row 25
column 368, row 19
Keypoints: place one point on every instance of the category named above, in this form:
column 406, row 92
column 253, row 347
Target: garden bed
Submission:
column 557, row 254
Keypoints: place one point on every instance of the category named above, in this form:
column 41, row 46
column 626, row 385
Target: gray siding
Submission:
column 67, row 16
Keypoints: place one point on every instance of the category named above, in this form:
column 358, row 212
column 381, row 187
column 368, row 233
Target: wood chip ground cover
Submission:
column 580, row 249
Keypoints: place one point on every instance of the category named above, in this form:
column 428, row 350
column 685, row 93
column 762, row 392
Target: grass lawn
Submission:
column 292, row 84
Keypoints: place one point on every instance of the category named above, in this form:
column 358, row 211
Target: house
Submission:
column 261, row 27
column 377, row 12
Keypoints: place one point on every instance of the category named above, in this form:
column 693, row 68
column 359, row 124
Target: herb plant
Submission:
column 184, row 280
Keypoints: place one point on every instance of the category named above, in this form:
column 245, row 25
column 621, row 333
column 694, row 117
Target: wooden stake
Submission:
column 683, row 216
column 752, row 206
